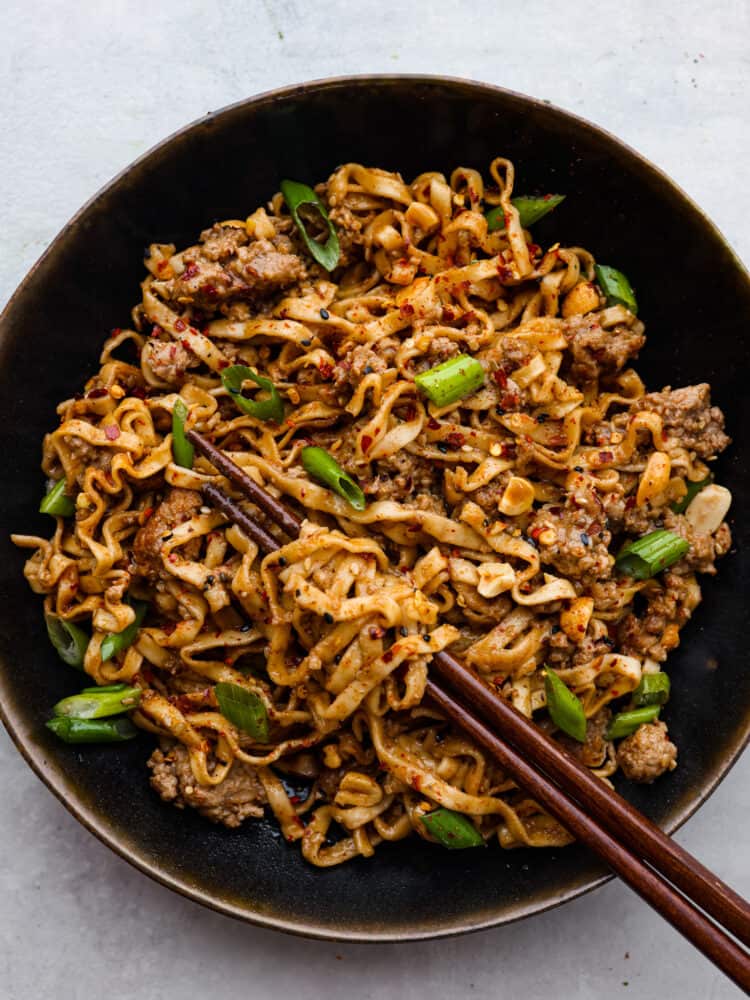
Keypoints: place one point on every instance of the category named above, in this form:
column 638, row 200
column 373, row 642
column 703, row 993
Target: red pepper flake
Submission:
column 326, row 370
column 186, row 343
column 139, row 392
column 210, row 291
column 433, row 424
column 509, row 400
column 455, row 439
column 147, row 513
column 505, row 273
column 534, row 249
column 615, row 694
column 376, row 632
column 223, row 364
column 606, row 456
column 161, row 264
column 388, row 654
column 630, row 503
column 191, row 270
column 407, row 309
column 595, row 528
column 501, row 378
column 366, row 443
column 448, row 314
column 180, row 325
column 499, row 680
column 169, row 628
column 536, row 531
column 96, row 394
column 112, row 432
column 416, row 782
column 295, row 799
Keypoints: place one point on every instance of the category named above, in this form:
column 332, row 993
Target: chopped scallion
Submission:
column 182, row 449
column 626, row 723
column 452, row 829
column 93, row 703
column 693, row 489
column 69, row 640
column 117, row 641
column 57, row 502
column 264, row 409
column 565, row 709
column 649, row 555
column 324, row 467
column 653, row 689
column 452, row 380
column 92, row 730
column 296, row 195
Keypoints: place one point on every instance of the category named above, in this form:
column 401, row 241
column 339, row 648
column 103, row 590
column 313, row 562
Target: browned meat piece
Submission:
column 671, row 601
column 580, row 547
column 363, row 360
column 169, row 360
column 226, row 267
column 704, row 548
column 593, row 752
column 402, row 475
column 177, row 507
column 596, row 351
column 439, row 350
column 565, row 654
column 240, row 795
column 688, row 418
column 647, row 754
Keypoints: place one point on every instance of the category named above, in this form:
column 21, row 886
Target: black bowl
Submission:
column 695, row 299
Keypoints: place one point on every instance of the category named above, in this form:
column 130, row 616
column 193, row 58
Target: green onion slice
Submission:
column 626, row 723
column 98, row 704
column 264, row 409
column 324, row 467
column 92, row 730
column 69, row 640
column 530, row 210
column 244, row 708
column 565, row 709
column 616, row 288
column 693, row 489
column 653, row 689
column 57, row 502
column 182, row 449
column 452, row 380
column 295, row 195
column 117, row 641
column 452, row 829
column 649, row 555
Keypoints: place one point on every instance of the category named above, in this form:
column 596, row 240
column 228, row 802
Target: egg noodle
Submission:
column 491, row 527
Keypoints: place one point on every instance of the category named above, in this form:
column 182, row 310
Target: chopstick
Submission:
column 595, row 814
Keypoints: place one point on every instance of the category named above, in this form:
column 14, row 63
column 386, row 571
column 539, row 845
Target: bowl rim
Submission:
column 86, row 814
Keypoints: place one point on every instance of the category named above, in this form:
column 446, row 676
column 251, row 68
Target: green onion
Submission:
column 530, row 210
column 295, row 195
column 653, row 689
column 93, row 703
column 452, row 380
column 693, row 489
column 451, row 829
column 649, row 555
column 616, row 288
column 244, row 708
column 117, row 641
column 92, row 730
column 626, row 723
column 182, row 450
column 57, row 502
column 97, row 689
column 265, row 409
column 324, row 467
column 565, row 709
column 69, row 640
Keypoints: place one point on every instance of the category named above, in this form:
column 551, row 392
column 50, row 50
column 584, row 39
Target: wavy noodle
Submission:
column 462, row 544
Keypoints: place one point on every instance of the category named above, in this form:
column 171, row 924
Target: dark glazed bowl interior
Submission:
column 695, row 300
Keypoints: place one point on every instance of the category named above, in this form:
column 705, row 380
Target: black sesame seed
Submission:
column 282, row 561
column 368, row 369
column 245, row 628
column 328, row 618
column 555, row 629
column 531, row 541
column 585, row 538
column 324, row 314
column 337, row 658
column 542, row 417
column 426, row 637
column 209, row 581
column 442, row 447
column 577, row 468
column 404, row 630
column 306, row 342
column 500, row 410
column 165, row 538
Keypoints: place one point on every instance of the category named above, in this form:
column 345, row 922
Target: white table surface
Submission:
column 88, row 86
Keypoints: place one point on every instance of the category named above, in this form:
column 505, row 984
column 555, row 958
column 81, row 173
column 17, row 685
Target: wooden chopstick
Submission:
column 610, row 825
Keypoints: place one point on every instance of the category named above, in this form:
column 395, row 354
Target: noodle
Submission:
column 490, row 529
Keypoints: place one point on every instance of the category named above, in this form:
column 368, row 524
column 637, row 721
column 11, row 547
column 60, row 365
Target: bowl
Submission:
column 695, row 299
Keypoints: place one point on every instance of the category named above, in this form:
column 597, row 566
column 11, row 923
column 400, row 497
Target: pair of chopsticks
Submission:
column 633, row 847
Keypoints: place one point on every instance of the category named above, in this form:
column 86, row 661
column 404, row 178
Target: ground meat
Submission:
column 240, row 795
column 688, row 418
column 647, row 754
column 704, row 548
column 349, row 231
column 595, row 351
column 593, row 752
column 671, row 600
column 564, row 654
column 363, row 360
column 402, row 475
column 488, row 497
column 177, row 507
column 438, row 351
column 226, row 266
column 169, row 360
column 580, row 547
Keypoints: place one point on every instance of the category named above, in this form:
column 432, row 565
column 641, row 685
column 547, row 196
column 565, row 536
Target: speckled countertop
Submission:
column 86, row 87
